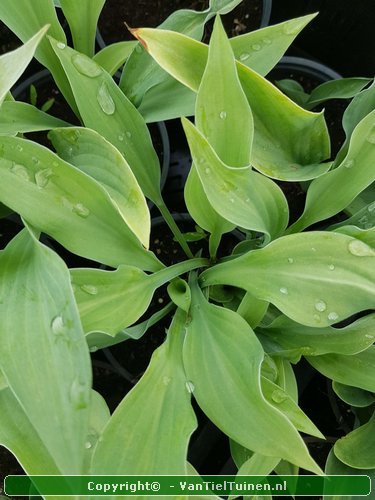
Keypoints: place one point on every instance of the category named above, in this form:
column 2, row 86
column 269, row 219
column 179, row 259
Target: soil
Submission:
column 8, row 40
column 245, row 17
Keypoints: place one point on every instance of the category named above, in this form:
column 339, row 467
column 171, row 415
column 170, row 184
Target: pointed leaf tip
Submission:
column 135, row 33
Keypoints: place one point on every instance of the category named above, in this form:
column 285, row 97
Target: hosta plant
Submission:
column 237, row 323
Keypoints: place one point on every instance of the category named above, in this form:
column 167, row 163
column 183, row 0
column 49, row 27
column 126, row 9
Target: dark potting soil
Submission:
column 8, row 40
column 8, row 466
column 150, row 13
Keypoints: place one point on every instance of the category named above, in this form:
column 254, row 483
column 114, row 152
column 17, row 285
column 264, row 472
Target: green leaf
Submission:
column 4, row 211
column 220, row 102
column 180, row 294
column 231, row 138
column 170, row 99
column 351, row 177
column 362, row 222
column 101, row 295
column 14, row 63
column 83, row 18
column 365, row 235
column 18, row 434
column 39, row 317
column 335, row 467
column 19, row 117
column 294, row 90
column 357, row 370
column 241, row 196
column 67, row 204
column 361, row 105
column 278, row 121
column 113, row 56
column 92, row 154
column 357, row 449
column 155, row 420
column 105, row 109
column 141, row 73
column 25, row 18
column 33, row 95
column 352, row 395
column 234, row 365
column 315, row 278
column 342, row 88
column 280, row 400
column 313, row 341
column 98, row 419
column 262, row 49
column 98, row 340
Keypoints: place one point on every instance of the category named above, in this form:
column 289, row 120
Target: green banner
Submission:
column 186, row 485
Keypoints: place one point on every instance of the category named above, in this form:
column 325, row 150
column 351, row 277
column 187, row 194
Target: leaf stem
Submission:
column 174, row 228
column 169, row 273
column 214, row 242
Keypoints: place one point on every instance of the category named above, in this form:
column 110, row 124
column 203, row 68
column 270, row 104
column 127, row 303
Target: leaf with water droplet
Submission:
column 76, row 222
column 292, row 336
column 280, row 399
column 98, row 158
column 105, row 100
column 316, row 288
column 86, row 66
column 146, row 417
column 271, row 433
column 101, row 295
column 37, row 322
column 320, row 204
column 239, row 195
column 111, row 117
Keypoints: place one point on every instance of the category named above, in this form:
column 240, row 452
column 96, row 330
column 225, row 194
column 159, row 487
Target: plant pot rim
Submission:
column 311, row 67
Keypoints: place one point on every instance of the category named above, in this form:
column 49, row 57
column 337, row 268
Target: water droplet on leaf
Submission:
column 349, row 163
column 90, row 289
column 331, row 267
column 57, row 325
column 190, row 387
column 79, row 394
column 81, row 210
column 105, row 100
column 244, row 56
column 332, row 316
column 256, row 47
column 290, row 260
column 20, row 171
column 42, row 177
column 278, row 396
column 320, row 305
column 223, row 115
column 284, row 290
column 61, row 45
column 86, row 66
column 360, row 249
column 166, row 380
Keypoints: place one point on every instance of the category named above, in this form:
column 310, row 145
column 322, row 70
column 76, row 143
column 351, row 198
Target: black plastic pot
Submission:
column 264, row 21
column 309, row 67
column 158, row 130
column 340, row 36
